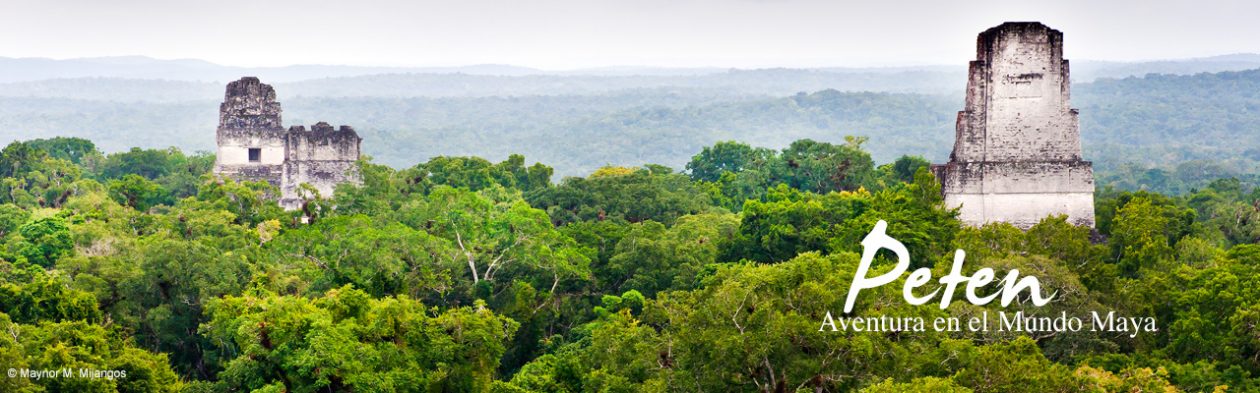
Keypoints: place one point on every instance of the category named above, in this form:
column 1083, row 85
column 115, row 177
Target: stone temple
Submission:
column 254, row 145
column 1017, row 156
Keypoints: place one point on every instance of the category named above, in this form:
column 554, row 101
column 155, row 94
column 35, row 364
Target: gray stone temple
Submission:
column 1017, row 156
column 254, row 145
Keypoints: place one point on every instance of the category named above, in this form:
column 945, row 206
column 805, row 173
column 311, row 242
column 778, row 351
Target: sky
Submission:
column 572, row 34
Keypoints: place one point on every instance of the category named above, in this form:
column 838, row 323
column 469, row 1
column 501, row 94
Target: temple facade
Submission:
column 1017, row 156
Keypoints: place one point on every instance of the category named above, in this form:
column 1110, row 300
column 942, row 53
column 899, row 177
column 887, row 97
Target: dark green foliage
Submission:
column 148, row 163
column 11, row 217
column 791, row 222
column 735, row 173
column 379, row 259
column 80, row 345
column 18, row 158
column 729, row 156
column 46, row 299
column 917, row 217
column 177, row 173
column 74, row 150
column 634, row 195
column 29, row 177
column 475, row 173
column 137, row 192
column 347, row 340
column 652, row 258
column 823, row 167
column 904, row 168
column 43, row 241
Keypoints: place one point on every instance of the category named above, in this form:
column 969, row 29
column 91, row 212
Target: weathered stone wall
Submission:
column 322, row 157
column 1023, row 210
column 323, row 142
column 1019, row 177
column 1020, row 192
column 324, row 176
column 1017, row 156
column 249, row 118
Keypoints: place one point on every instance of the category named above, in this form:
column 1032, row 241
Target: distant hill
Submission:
column 775, row 81
column 114, row 89
column 772, row 82
column 140, row 67
column 1166, row 120
column 1089, row 71
column 495, row 79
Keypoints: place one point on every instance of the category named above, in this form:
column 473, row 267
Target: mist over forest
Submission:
column 1164, row 125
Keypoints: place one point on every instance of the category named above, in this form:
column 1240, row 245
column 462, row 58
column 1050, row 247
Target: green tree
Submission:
column 1017, row 366
column 137, row 192
column 902, row 170
column 1138, row 237
column 347, row 340
column 69, row 149
column 44, row 240
column 652, row 258
column 46, row 298
column 791, row 222
column 383, row 260
column 729, row 156
column 823, row 167
column 19, row 158
column 917, row 385
column 634, row 195
column 77, row 345
column 11, row 217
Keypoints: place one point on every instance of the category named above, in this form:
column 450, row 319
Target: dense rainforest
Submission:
column 459, row 274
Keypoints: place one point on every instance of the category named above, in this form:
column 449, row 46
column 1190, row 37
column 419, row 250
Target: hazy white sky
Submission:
column 564, row 34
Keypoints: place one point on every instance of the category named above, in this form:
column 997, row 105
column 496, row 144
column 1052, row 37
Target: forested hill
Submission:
column 1194, row 127
column 1208, row 116
column 194, row 70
